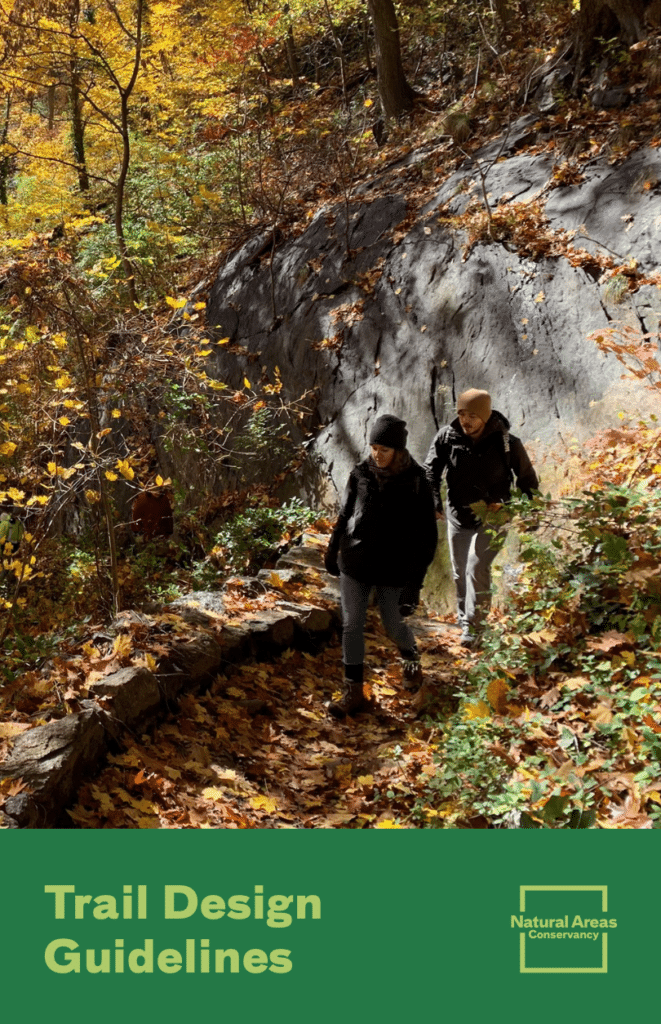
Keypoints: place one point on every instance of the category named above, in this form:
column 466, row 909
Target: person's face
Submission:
column 382, row 456
column 471, row 424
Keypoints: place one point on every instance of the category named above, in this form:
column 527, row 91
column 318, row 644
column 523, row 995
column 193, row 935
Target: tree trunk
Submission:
column 127, row 265
column 505, row 16
column 292, row 60
column 125, row 95
column 395, row 93
column 4, row 159
column 606, row 19
column 339, row 48
column 51, row 107
column 75, row 98
column 631, row 16
column 78, row 131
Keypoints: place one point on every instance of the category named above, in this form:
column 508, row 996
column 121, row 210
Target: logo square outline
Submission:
column 523, row 889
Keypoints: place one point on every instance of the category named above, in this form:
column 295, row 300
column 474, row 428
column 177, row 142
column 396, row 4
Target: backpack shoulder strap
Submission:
column 506, row 449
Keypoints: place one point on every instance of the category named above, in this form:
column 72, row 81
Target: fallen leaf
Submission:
column 264, row 803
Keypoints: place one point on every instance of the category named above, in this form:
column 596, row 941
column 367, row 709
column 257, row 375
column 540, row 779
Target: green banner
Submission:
column 329, row 925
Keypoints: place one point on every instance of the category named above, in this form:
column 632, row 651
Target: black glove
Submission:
column 409, row 599
column 330, row 560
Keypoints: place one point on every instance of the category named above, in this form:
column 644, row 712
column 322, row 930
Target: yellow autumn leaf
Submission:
column 264, row 803
column 223, row 341
column 9, row 730
column 122, row 647
column 211, row 793
column 64, row 421
column 175, row 303
column 540, row 297
column 601, row 715
column 143, row 805
column 7, row 448
column 497, row 691
column 150, row 662
column 365, row 780
column 111, row 476
column 368, row 103
column 116, row 413
column 125, row 469
column 476, row 709
column 388, row 823
column 246, row 383
column 93, row 497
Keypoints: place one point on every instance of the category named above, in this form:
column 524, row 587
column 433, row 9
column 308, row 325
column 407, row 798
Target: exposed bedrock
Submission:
column 387, row 314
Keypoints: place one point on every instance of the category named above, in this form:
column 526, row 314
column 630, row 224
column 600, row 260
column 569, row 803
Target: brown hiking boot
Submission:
column 352, row 700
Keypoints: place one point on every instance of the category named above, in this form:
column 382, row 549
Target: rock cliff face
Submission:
column 379, row 308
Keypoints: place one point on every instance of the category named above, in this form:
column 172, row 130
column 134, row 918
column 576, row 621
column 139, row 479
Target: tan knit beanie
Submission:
column 475, row 401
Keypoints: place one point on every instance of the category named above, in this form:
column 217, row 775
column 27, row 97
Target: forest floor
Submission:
column 259, row 749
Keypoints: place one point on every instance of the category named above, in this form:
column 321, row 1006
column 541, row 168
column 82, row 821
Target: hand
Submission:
column 409, row 599
column 330, row 562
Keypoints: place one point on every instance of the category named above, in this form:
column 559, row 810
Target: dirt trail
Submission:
column 259, row 750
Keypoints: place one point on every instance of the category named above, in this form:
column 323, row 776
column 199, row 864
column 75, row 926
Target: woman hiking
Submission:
column 385, row 537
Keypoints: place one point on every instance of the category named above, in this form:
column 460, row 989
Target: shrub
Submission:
column 253, row 536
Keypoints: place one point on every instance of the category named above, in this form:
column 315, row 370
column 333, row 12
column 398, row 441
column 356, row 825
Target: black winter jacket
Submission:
column 477, row 470
column 386, row 532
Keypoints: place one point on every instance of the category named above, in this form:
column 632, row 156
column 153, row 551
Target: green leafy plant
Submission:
column 557, row 814
column 253, row 536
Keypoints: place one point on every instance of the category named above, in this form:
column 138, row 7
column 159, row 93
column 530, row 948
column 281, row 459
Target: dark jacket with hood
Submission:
column 479, row 470
column 386, row 531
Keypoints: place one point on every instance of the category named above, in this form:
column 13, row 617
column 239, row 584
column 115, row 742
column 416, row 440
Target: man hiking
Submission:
column 479, row 458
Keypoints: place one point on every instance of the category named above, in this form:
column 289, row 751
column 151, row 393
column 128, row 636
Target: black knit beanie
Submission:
column 390, row 432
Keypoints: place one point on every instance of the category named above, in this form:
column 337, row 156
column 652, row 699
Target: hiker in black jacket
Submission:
column 479, row 457
column 385, row 537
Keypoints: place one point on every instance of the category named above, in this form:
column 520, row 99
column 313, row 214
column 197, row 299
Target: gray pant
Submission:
column 355, row 599
column 472, row 552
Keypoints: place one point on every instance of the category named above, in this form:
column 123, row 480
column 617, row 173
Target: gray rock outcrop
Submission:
column 385, row 312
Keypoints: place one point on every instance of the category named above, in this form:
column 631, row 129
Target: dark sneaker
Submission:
column 411, row 676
